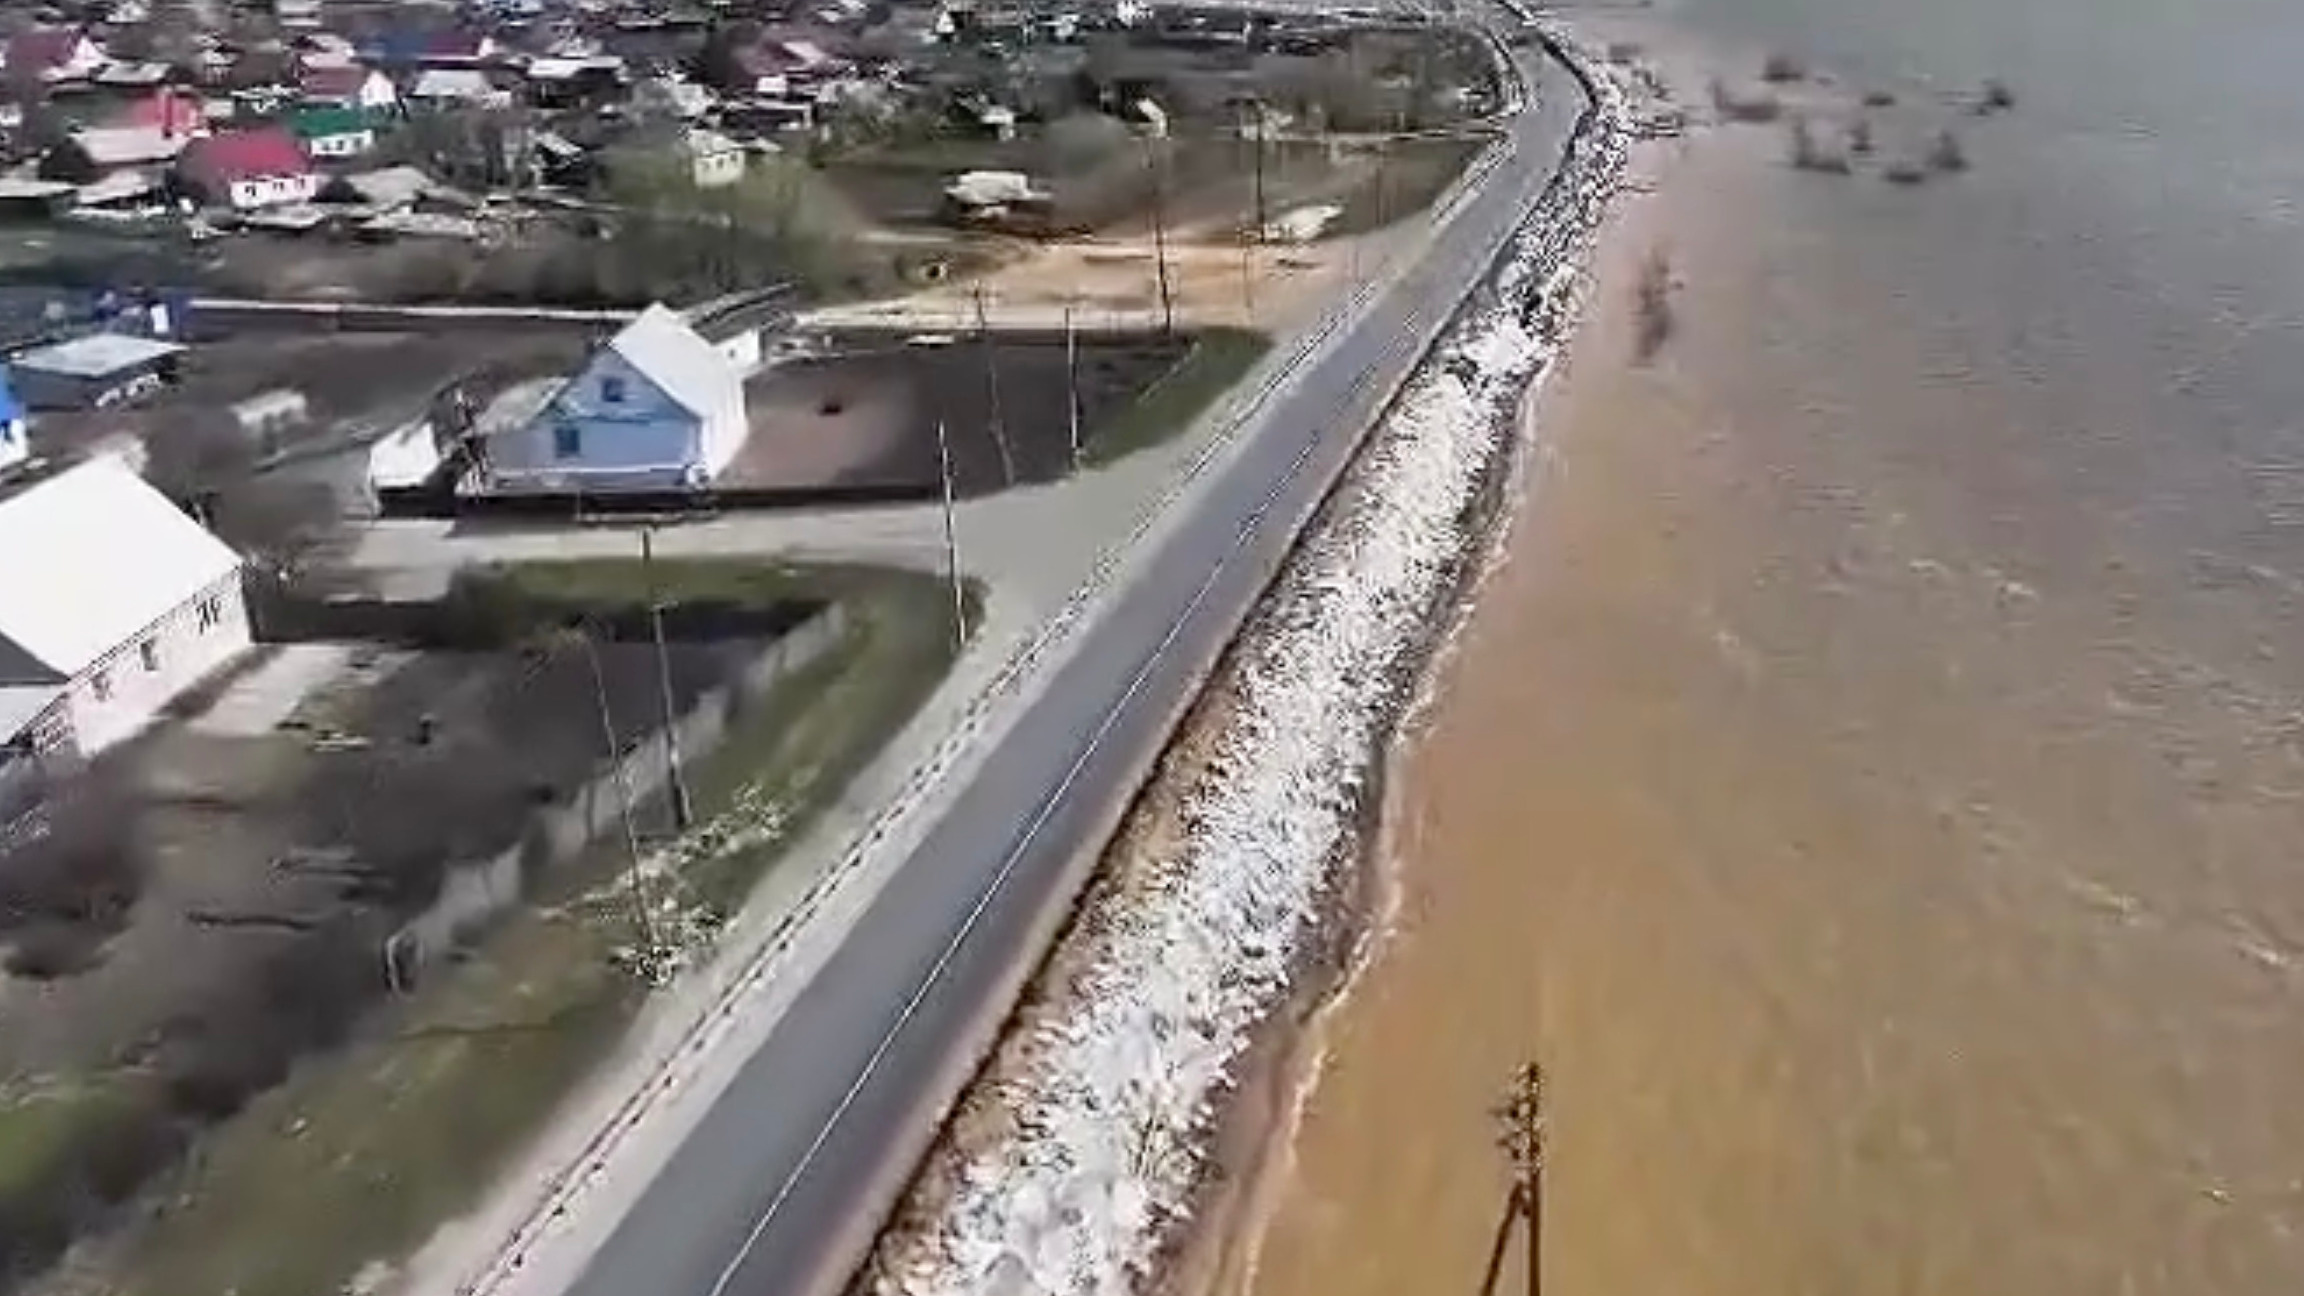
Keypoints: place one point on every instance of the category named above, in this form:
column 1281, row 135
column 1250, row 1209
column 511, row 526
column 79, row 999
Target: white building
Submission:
column 714, row 160
column 657, row 408
column 112, row 603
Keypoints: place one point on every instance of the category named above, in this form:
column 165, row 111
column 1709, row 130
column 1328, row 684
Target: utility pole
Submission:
column 952, row 543
column 676, row 781
column 1160, row 237
column 634, row 891
column 1520, row 1118
column 1072, row 387
column 992, row 392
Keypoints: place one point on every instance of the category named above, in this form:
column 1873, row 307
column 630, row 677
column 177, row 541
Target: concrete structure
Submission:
column 94, row 371
column 657, row 408
column 113, row 603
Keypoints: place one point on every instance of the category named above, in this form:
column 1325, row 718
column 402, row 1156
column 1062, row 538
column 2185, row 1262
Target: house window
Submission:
column 149, row 652
column 211, row 613
column 567, row 441
column 612, row 390
column 100, row 684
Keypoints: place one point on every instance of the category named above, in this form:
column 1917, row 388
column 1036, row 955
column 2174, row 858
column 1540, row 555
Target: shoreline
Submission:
column 1253, row 1150
column 1504, row 343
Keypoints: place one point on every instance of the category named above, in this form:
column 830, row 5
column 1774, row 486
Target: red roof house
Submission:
column 246, row 169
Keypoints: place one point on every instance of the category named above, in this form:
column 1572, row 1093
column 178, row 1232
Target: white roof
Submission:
column 95, row 556
column 693, row 372
column 129, row 145
column 95, row 355
column 453, row 83
column 21, row 704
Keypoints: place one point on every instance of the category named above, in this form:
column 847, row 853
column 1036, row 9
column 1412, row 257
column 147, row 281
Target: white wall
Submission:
column 644, row 441
column 742, row 349
column 271, row 191
column 186, row 652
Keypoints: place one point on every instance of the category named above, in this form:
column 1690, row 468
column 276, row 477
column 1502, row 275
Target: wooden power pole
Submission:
column 1520, row 1118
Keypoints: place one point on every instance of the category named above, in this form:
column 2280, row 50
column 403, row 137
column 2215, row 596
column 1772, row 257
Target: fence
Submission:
column 474, row 894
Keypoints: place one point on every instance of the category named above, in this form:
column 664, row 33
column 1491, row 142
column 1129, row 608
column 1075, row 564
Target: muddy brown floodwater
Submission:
column 1866, row 786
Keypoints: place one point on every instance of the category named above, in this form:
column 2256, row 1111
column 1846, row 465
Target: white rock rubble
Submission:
column 1118, row 1086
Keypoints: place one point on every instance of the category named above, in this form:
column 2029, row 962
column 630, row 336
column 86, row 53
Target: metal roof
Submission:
column 95, row 355
column 95, row 557
column 666, row 351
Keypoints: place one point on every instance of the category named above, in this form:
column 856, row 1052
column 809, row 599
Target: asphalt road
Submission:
column 766, row 1191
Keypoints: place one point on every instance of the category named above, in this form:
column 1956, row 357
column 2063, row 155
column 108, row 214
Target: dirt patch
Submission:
column 866, row 414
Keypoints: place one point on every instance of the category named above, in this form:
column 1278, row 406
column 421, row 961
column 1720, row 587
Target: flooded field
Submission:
column 1870, row 780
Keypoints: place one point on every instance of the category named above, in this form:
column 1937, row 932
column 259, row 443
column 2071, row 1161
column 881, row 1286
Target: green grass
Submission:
column 362, row 1154
column 1217, row 359
column 1411, row 176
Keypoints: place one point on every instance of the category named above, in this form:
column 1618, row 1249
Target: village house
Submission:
column 776, row 69
column 332, row 132
column 247, row 169
column 657, row 408
column 347, row 85
column 101, row 152
column 574, row 82
column 450, row 48
column 714, row 160
column 94, row 371
column 51, row 55
column 129, row 604
column 442, row 88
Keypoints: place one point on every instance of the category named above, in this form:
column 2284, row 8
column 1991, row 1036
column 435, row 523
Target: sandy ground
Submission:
column 1114, row 283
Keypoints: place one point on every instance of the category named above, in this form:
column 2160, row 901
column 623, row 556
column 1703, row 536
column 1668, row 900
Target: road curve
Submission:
column 767, row 1195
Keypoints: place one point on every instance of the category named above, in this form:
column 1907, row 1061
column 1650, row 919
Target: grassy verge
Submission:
column 360, row 1155
column 1217, row 359
column 1409, row 177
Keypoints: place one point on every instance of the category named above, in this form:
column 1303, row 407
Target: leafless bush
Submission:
column 1946, row 154
column 1737, row 106
column 1652, row 306
column 1904, row 171
column 1783, row 69
column 1808, row 155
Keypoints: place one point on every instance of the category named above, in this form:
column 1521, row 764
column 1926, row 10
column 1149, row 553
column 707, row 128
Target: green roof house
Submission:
column 332, row 132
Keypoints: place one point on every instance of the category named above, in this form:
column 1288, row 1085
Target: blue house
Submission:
column 656, row 408
column 15, row 438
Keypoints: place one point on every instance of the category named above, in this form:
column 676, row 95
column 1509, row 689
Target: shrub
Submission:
column 1652, row 305
column 1946, row 154
column 1750, row 108
column 1783, row 69
column 1995, row 97
column 1860, row 137
column 1879, row 99
column 1808, row 155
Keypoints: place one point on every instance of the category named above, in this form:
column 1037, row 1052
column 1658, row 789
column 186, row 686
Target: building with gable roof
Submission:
column 656, row 408
column 129, row 603
column 247, row 169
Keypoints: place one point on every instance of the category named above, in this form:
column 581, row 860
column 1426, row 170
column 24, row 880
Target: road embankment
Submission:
column 1090, row 1143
